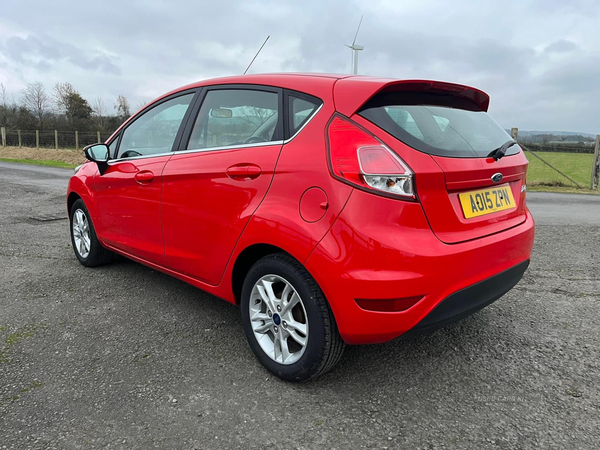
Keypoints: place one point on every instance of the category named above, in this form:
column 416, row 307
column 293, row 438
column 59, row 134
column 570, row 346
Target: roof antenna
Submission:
column 261, row 47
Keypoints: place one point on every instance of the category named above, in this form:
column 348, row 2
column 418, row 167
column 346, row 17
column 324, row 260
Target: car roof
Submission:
column 351, row 91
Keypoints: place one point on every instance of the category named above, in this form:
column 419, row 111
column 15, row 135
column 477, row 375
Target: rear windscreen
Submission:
column 437, row 124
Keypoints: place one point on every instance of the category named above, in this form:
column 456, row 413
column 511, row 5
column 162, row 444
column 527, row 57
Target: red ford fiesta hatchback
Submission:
column 333, row 209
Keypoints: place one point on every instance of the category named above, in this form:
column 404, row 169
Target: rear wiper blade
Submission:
column 501, row 151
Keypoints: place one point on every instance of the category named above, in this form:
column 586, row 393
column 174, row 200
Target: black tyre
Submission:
column 287, row 320
column 86, row 246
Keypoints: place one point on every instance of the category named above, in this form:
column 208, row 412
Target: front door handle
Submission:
column 244, row 172
column 144, row 177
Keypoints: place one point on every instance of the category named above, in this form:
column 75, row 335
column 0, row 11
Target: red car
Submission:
column 333, row 210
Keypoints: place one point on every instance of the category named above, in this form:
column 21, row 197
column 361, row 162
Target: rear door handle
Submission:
column 144, row 177
column 244, row 172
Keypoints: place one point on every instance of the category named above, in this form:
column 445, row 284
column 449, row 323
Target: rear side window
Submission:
column 300, row 110
column 441, row 129
column 235, row 117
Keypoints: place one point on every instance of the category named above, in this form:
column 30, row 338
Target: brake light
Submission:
column 360, row 159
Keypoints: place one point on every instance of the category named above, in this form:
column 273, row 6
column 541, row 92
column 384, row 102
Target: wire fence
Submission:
column 551, row 167
column 52, row 139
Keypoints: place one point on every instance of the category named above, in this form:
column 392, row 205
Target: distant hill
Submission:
column 524, row 133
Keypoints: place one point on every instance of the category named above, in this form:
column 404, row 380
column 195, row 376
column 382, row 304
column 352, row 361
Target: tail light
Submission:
column 358, row 158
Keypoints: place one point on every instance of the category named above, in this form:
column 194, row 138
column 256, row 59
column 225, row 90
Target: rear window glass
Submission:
column 437, row 130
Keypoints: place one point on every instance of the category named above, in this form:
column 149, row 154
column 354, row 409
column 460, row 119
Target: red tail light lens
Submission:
column 359, row 158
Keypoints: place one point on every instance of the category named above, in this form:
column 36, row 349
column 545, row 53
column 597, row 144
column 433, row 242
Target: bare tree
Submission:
column 140, row 105
column 37, row 101
column 61, row 96
column 99, row 113
column 122, row 107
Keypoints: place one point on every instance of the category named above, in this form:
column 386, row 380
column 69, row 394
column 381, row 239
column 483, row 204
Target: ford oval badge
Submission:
column 497, row 177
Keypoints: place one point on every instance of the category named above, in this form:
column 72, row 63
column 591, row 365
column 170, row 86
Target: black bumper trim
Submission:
column 470, row 300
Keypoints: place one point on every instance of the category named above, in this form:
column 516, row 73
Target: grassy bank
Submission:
column 40, row 162
column 42, row 156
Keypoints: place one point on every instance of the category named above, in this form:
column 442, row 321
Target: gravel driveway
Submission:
column 124, row 357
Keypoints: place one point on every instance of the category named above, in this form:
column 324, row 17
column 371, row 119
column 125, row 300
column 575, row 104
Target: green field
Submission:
column 576, row 165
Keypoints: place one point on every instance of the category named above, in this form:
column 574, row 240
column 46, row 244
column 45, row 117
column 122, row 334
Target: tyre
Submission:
column 86, row 246
column 287, row 320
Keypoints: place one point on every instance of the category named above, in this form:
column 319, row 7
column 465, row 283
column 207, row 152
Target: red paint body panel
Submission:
column 380, row 249
column 204, row 210
column 130, row 208
column 191, row 214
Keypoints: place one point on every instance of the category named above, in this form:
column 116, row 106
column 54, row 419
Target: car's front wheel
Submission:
column 287, row 320
column 86, row 246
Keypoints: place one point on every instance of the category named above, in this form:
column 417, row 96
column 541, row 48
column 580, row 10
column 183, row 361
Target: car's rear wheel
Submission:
column 86, row 246
column 287, row 320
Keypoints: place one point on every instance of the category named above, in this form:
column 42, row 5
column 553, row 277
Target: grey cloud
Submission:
column 561, row 46
column 42, row 51
column 533, row 58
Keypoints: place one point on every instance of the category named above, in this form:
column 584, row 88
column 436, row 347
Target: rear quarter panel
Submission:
column 302, row 165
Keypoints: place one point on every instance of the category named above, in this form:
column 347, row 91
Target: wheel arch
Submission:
column 244, row 262
column 71, row 199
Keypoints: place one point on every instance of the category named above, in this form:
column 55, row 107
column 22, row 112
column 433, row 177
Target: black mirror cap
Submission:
column 97, row 153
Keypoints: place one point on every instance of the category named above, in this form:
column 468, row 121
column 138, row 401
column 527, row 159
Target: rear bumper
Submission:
column 380, row 250
column 470, row 300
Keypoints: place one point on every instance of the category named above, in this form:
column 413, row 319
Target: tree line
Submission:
column 62, row 108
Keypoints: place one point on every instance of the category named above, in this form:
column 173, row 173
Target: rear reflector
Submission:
column 388, row 305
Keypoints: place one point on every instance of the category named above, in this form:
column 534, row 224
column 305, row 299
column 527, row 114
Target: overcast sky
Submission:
column 538, row 60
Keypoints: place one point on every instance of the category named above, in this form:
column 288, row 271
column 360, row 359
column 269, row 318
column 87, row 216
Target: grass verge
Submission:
column 40, row 162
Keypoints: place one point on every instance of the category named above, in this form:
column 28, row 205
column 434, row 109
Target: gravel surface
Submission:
column 124, row 357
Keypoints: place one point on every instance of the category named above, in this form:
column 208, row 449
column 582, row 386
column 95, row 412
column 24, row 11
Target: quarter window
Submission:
column 300, row 112
column 112, row 148
column 235, row 117
column 154, row 131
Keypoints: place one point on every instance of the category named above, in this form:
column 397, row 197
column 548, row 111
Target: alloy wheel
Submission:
column 278, row 319
column 81, row 233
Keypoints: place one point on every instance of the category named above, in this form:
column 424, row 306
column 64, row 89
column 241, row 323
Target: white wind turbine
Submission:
column 355, row 49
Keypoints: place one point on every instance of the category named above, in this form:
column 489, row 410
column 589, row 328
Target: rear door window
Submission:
column 230, row 117
column 437, row 130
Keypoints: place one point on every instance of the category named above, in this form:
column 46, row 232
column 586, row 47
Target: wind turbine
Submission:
column 355, row 49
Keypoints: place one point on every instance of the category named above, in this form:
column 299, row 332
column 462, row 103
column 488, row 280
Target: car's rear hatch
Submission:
column 449, row 123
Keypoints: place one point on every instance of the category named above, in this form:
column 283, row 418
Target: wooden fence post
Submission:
column 3, row 133
column 596, row 166
column 19, row 134
column 98, row 134
column 37, row 139
column 76, row 140
column 56, row 139
column 514, row 133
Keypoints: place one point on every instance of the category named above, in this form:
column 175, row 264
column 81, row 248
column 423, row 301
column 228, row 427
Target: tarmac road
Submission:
column 124, row 357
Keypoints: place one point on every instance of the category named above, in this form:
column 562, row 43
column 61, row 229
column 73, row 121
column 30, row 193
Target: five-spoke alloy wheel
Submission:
column 81, row 233
column 86, row 246
column 287, row 320
column 278, row 319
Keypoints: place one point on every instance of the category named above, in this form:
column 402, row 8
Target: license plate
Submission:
column 486, row 201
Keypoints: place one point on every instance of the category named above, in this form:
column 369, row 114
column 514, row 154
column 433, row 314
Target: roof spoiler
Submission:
column 352, row 93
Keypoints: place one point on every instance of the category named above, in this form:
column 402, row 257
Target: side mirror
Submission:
column 221, row 113
column 97, row 153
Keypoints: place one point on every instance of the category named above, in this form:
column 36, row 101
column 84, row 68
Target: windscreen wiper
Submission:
column 501, row 151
